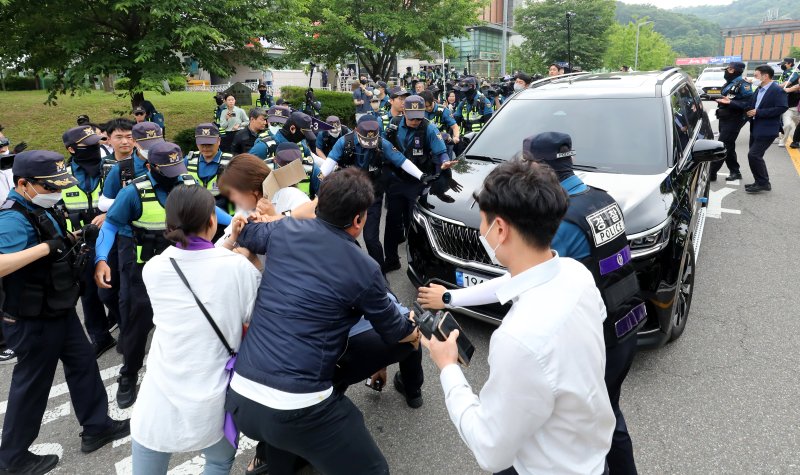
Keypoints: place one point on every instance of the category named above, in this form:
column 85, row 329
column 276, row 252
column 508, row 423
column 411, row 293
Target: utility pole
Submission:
column 504, row 46
column 636, row 58
column 570, row 16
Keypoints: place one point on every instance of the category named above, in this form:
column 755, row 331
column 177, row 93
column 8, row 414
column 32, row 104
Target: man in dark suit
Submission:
column 763, row 110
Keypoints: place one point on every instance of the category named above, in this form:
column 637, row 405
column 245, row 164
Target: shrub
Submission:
column 185, row 140
column 335, row 103
column 176, row 83
column 19, row 83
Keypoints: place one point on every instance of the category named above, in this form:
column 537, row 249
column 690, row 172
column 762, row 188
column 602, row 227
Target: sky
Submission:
column 679, row 3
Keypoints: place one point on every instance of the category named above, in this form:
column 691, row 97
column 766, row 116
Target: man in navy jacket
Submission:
column 764, row 110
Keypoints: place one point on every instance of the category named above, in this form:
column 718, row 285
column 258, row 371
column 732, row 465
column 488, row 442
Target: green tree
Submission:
column 376, row 31
column 142, row 40
column 544, row 27
column 687, row 34
column 654, row 50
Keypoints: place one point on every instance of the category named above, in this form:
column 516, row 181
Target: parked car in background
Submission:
column 642, row 137
column 710, row 83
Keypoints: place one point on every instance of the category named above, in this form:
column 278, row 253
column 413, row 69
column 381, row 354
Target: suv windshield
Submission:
column 712, row 76
column 611, row 135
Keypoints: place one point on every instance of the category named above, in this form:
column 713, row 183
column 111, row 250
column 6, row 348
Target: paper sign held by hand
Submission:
column 283, row 177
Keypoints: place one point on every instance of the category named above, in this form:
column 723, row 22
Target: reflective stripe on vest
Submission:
column 193, row 164
column 154, row 216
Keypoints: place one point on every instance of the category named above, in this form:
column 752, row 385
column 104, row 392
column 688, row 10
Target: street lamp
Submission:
column 636, row 58
column 471, row 32
column 504, row 46
column 570, row 16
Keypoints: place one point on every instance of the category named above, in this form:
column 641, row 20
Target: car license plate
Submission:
column 467, row 279
column 713, row 91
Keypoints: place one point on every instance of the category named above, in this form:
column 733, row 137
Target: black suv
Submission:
column 643, row 137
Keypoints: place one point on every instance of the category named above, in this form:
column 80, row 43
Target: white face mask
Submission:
column 518, row 86
column 273, row 129
column 489, row 250
column 5, row 154
column 44, row 200
column 335, row 132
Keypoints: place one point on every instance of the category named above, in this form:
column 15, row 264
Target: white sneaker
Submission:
column 781, row 144
column 7, row 356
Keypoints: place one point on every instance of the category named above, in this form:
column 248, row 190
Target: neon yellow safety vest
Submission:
column 193, row 164
column 473, row 119
column 81, row 206
column 148, row 229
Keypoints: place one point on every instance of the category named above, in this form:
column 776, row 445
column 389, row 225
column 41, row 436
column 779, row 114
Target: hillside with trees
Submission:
column 745, row 12
column 689, row 35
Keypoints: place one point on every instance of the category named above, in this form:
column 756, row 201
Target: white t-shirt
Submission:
column 287, row 199
column 181, row 402
column 6, row 184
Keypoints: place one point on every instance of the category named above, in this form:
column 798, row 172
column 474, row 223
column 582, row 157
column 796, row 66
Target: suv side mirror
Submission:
column 708, row 151
column 467, row 138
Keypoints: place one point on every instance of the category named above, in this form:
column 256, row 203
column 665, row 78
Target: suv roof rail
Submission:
column 669, row 73
column 550, row 79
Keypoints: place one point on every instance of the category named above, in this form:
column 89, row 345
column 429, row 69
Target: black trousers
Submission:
column 39, row 345
column 755, row 157
column 95, row 320
column 400, row 199
column 372, row 230
column 729, row 129
column 367, row 353
column 331, row 435
column 136, row 313
column 618, row 363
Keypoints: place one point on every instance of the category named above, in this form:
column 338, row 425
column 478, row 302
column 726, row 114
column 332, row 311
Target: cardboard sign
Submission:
column 283, row 177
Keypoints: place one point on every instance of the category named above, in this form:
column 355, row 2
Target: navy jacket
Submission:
column 317, row 284
column 767, row 122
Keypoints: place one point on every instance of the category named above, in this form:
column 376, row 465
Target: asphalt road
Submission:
column 722, row 399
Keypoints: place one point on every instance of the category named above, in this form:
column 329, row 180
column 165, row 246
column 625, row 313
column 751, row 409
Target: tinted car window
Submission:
column 613, row 135
column 686, row 115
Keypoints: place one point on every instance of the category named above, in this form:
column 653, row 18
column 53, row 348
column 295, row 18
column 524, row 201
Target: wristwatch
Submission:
column 446, row 298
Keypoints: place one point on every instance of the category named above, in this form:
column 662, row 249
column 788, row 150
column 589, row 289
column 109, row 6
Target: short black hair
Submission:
column 427, row 96
column 766, row 69
column 257, row 112
column 343, row 195
column 112, row 125
column 227, row 95
column 188, row 210
column 526, row 78
column 528, row 196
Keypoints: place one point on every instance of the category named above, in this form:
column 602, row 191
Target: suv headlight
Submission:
column 650, row 241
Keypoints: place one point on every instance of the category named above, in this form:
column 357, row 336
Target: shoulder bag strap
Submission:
column 203, row 309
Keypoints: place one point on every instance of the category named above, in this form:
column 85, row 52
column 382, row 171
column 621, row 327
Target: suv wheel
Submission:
column 683, row 294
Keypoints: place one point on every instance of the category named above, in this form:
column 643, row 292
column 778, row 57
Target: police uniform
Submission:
column 424, row 147
column 136, row 222
column 326, row 140
column 442, row 118
column 731, row 120
column 206, row 173
column 40, row 323
column 474, row 109
column 81, row 203
column 593, row 232
column 367, row 150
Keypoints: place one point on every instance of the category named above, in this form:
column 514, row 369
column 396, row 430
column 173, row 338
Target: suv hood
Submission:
column 645, row 199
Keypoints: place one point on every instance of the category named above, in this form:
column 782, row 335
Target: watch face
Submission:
column 446, row 298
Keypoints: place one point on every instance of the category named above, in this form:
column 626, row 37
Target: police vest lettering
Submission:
column 419, row 152
column 148, row 229
column 348, row 158
column 193, row 167
column 48, row 287
column 81, row 206
column 601, row 220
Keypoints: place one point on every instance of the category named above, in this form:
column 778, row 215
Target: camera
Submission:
column 312, row 105
column 440, row 324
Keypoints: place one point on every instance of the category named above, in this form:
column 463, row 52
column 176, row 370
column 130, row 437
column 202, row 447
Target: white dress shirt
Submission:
column 544, row 408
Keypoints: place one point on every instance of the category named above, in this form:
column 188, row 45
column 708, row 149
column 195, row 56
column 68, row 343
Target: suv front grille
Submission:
column 458, row 241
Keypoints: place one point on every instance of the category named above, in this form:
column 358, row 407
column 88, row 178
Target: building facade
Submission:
column 480, row 48
column 769, row 41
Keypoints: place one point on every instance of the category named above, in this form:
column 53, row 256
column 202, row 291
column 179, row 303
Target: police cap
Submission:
column 45, row 167
column 278, row 114
column 147, row 134
column 286, row 153
column 548, row 146
column 737, row 66
column 466, row 84
column 82, row 135
column 398, row 91
column 303, row 122
column 415, row 107
column 206, row 134
column 168, row 157
column 368, row 131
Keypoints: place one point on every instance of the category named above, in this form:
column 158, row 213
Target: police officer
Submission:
column 38, row 263
column 474, row 109
column 380, row 115
column 420, row 142
column 207, row 164
column 327, row 138
column 397, row 98
column 593, row 232
column 276, row 117
column 136, row 222
column 81, row 201
column 731, row 120
column 441, row 117
column 367, row 150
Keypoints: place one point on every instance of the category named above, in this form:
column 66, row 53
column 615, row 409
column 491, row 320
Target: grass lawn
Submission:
column 27, row 119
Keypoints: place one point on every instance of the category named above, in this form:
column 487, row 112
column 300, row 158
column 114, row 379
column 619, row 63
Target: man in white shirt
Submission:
column 554, row 417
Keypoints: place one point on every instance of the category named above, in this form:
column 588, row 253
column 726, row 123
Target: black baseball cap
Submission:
column 286, row 153
column 303, row 122
column 368, row 131
column 398, row 91
column 383, row 85
column 206, row 134
column 547, row 146
column 83, row 135
column 168, row 157
column 147, row 134
column 466, row 84
column 45, row 167
column 139, row 110
column 415, row 107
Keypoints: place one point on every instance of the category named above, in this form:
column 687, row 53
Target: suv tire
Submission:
column 683, row 293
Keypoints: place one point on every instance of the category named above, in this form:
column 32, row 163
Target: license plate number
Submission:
column 713, row 91
column 466, row 279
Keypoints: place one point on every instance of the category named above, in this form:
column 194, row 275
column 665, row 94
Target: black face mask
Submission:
column 731, row 76
column 297, row 136
column 88, row 158
column 164, row 182
column 784, row 67
column 471, row 93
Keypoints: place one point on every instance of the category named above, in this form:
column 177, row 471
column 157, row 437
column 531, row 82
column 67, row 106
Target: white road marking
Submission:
column 196, row 465
column 125, row 466
column 714, row 208
column 48, row 449
column 120, row 442
column 57, row 412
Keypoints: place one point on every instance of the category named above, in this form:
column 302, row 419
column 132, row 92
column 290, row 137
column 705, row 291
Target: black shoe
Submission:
column 391, row 266
column 712, row 177
column 794, row 145
column 100, row 348
column 117, row 430
column 414, row 401
column 34, row 465
column 7, row 356
column 126, row 392
column 734, row 176
column 756, row 188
